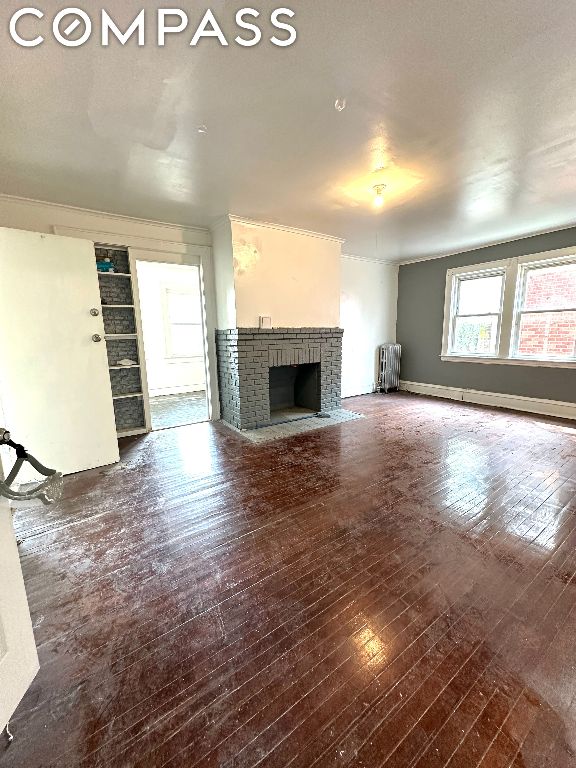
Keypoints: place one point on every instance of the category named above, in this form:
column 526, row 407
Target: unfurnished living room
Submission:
column 288, row 384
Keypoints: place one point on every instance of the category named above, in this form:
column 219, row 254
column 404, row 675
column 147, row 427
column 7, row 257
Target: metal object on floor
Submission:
column 389, row 367
column 8, row 733
column 48, row 490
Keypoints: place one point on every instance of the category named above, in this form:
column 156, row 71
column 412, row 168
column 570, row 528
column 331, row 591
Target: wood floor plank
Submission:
column 393, row 592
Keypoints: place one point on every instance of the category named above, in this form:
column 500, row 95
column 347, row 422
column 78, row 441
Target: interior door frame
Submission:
column 159, row 257
column 170, row 252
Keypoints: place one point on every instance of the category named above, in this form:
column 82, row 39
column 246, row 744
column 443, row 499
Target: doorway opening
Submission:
column 174, row 343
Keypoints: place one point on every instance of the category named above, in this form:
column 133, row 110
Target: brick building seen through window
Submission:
column 547, row 323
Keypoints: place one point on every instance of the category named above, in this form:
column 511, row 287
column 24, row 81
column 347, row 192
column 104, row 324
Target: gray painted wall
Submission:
column 421, row 289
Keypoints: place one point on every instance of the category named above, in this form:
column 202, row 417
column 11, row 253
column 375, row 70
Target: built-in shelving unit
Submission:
column 122, row 336
column 115, row 274
column 123, row 341
column 123, row 397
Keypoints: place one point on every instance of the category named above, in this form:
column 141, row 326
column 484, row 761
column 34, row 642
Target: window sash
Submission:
column 517, row 355
column 520, row 308
column 457, row 281
column 475, row 354
column 524, row 272
column 560, row 310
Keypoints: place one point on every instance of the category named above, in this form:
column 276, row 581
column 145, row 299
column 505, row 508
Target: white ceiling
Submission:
column 470, row 103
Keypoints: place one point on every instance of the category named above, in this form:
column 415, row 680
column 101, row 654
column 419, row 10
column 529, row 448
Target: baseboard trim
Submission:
column 513, row 402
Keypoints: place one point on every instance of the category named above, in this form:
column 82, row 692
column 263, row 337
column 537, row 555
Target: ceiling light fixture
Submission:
column 340, row 105
column 379, row 195
column 202, row 129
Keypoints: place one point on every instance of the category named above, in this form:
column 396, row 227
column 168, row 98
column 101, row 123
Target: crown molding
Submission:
column 132, row 241
column 370, row 259
column 282, row 227
column 493, row 244
column 88, row 212
column 220, row 222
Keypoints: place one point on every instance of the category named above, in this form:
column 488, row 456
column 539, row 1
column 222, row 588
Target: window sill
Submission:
column 509, row 361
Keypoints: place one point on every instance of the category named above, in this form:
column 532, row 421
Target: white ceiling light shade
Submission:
column 340, row 105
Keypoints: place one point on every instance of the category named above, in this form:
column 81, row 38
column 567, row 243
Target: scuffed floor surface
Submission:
column 167, row 411
column 394, row 591
column 295, row 427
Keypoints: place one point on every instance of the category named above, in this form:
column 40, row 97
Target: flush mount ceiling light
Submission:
column 340, row 105
column 384, row 187
column 202, row 129
column 379, row 194
column 379, row 184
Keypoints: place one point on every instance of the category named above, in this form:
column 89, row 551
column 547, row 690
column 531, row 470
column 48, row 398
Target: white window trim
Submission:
column 492, row 267
column 509, row 318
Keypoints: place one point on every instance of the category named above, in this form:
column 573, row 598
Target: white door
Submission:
column 54, row 381
column 18, row 657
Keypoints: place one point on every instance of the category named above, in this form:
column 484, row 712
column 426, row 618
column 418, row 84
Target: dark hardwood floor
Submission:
column 395, row 591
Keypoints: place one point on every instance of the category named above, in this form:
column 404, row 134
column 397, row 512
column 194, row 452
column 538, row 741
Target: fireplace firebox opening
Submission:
column 294, row 391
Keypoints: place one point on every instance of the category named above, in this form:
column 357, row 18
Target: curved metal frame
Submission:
column 40, row 491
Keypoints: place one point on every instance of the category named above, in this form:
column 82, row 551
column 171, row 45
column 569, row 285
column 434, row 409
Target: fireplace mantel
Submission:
column 245, row 356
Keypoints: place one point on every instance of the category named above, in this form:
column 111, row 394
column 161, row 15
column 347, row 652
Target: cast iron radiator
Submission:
column 389, row 368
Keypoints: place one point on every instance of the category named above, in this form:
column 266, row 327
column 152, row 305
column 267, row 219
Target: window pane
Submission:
column 551, row 288
column 475, row 335
column 186, row 341
column 480, row 295
column 183, row 307
column 548, row 334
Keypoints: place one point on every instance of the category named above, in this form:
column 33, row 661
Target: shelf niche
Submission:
column 119, row 320
column 119, row 317
column 115, row 291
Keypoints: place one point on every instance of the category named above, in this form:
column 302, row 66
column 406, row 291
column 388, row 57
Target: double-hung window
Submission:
column 521, row 310
column 477, row 313
column 545, row 324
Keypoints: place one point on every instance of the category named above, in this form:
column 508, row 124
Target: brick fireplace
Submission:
column 269, row 375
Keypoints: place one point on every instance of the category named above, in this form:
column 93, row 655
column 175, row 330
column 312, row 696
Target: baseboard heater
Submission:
column 540, row 406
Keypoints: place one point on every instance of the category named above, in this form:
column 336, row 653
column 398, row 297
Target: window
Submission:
column 477, row 316
column 546, row 317
column 183, row 324
column 520, row 310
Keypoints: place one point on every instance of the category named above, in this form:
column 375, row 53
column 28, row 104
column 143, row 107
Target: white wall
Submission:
column 290, row 275
column 368, row 315
column 167, row 376
column 297, row 278
column 224, row 273
column 157, row 240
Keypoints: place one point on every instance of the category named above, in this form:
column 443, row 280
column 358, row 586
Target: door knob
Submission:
column 96, row 337
column 94, row 312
